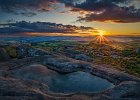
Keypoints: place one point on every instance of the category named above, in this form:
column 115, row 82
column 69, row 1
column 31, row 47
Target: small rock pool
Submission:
column 77, row 82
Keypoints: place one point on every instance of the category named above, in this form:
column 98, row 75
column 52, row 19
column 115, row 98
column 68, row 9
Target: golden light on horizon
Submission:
column 102, row 33
column 101, row 39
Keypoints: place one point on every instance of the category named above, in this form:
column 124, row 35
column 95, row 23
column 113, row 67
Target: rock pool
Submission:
column 77, row 82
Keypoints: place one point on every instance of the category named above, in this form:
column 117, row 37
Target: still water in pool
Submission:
column 77, row 82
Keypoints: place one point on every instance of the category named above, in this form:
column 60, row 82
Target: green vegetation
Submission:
column 122, row 56
column 57, row 46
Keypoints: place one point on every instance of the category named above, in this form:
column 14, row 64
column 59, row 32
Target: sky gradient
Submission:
column 111, row 17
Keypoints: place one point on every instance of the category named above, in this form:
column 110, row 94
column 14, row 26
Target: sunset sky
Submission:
column 111, row 17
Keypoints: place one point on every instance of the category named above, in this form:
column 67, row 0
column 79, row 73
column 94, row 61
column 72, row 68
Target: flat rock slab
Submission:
column 26, row 82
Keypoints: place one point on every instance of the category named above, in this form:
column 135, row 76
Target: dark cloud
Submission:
column 119, row 11
column 46, row 27
column 27, row 7
column 116, row 14
column 93, row 5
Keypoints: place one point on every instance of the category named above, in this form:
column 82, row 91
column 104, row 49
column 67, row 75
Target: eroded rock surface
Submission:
column 66, row 65
column 128, row 90
column 83, row 57
column 26, row 51
column 36, row 72
column 14, row 89
column 26, row 79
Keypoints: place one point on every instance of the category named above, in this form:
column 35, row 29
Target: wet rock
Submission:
column 4, row 55
column 26, row 82
column 35, row 72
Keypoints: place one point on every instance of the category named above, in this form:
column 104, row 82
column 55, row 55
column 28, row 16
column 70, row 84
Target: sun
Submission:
column 101, row 39
column 101, row 33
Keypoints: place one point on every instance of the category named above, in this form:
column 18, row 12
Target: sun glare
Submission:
column 101, row 33
column 101, row 39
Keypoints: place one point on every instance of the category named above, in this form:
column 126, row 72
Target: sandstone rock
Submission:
column 35, row 72
column 63, row 65
column 14, row 89
column 128, row 90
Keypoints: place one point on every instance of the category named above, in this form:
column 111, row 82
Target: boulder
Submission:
column 83, row 57
column 138, row 51
column 71, row 53
column 66, row 65
column 36, row 52
column 22, row 51
column 128, row 90
column 4, row 55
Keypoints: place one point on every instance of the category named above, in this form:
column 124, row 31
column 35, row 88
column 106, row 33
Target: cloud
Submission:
column 27, row 7
column 118, row 15
column 46, row 27
column 119, row 11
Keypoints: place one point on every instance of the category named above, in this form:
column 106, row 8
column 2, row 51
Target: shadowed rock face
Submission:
column 22, row 51
column 14, row 89
column 4, row 55
column 138, row 51
column 126, row 90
